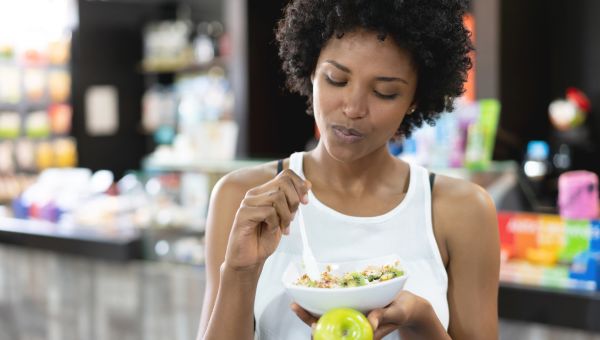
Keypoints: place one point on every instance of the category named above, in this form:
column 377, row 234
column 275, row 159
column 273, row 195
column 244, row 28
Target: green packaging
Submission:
column 576, row 239
column 556, row 277
column 481, row 135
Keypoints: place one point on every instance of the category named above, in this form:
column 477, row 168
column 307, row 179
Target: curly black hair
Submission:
column 432, row 31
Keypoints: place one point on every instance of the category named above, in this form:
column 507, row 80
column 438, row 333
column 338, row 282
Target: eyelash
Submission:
column 385, row 96
column 335, row 83
column 342, row 83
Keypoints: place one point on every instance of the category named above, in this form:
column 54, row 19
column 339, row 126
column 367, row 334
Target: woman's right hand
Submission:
column 264, row 216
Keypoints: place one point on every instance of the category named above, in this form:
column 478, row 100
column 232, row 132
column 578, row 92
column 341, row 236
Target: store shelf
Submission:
column 495, row 169
column 148, row 67
column 117, row 246
column 9, row 106
column 498, row 180
column 551, row 306
column 203, row 166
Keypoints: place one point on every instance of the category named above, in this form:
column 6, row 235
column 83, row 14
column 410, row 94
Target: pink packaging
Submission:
column 578, row 195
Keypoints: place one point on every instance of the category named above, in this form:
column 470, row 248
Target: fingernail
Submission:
column 305, row 199
column 286, row 230
column 293, row 215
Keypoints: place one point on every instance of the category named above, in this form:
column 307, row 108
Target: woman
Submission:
column 372, row 71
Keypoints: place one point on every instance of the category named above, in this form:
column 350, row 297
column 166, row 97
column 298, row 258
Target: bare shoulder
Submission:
column 225, row 200
column 240, row 181
column 463, row 211
column 228, row 193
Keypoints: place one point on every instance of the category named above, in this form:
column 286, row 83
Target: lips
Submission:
column 347, row 135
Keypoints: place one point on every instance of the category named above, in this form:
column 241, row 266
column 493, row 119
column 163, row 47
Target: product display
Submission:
column 35, row 86
column 547, row 250
column 578, row 195
column 10, row 80
column 10, row 124
column 59, row 86
column 463, row 138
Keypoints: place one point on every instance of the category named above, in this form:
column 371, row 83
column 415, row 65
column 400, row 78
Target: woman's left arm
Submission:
column 466, row 230
column 467, row 219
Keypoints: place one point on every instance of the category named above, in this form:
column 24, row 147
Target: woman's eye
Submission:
column 385, row 96
column 334, row 82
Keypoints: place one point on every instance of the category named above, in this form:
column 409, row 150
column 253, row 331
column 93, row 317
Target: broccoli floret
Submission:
column 373, row 275
column 397, row 272
column 386, row 276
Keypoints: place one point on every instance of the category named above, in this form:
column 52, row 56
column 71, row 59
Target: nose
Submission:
column 355, row 103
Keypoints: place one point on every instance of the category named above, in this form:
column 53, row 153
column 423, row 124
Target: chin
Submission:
column 352, row 152
column 344, row 153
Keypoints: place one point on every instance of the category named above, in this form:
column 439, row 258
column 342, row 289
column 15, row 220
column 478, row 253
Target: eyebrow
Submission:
column 338, row 65
column 391, row 79
column 347, row 70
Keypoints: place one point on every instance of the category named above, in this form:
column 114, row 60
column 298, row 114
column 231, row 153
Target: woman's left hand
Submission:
column 402, row 311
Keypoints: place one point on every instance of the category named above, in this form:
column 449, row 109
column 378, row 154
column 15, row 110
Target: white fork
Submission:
column 310, row 264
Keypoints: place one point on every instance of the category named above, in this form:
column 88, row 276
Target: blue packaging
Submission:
column 595, row 236
column 586, row 267
column 19, row 209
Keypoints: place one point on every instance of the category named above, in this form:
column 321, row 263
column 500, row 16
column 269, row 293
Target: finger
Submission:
column 284, row 213
column 301, row 186
column 276, row 199
column 383, row 330
column 375, row 317
column 272, row 222
column 305, row 316
column 297, row 182
column 253, row 217
column 287, row 185
column 293, row 185
column 291, row 195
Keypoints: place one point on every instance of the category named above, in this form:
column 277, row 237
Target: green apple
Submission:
column 343, row 324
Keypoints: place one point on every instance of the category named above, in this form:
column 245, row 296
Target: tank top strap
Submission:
column 296, row 163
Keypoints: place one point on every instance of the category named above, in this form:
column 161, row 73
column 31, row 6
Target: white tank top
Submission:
column 405, row 230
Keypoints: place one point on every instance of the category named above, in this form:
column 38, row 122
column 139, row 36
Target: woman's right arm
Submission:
column 224, row 202
column 245, row 223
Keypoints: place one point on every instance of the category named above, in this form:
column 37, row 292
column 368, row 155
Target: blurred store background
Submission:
column 118, row 116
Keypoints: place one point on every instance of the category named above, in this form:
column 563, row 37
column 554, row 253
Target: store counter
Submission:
column 551, row 306
column 115, row 245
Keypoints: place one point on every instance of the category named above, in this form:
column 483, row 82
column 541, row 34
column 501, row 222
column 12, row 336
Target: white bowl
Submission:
column 364, row 298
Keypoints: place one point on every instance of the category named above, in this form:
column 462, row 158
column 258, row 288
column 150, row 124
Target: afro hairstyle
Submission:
column 431, row 31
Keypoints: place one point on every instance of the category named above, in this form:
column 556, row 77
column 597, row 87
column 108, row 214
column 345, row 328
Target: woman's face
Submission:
column 362, row 89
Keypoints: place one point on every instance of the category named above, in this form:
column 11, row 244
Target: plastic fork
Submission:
column 310, row 264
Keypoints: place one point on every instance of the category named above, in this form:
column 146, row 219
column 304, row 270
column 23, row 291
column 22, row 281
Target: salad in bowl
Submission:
column 362, row 285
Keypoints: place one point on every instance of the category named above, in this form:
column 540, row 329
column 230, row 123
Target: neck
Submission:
column 354, row 175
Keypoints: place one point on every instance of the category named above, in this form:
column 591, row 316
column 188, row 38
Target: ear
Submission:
column 412, row 107
column 414, row 103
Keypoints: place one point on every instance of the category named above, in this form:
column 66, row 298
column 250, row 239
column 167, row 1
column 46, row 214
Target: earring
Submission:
column 411, row 110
